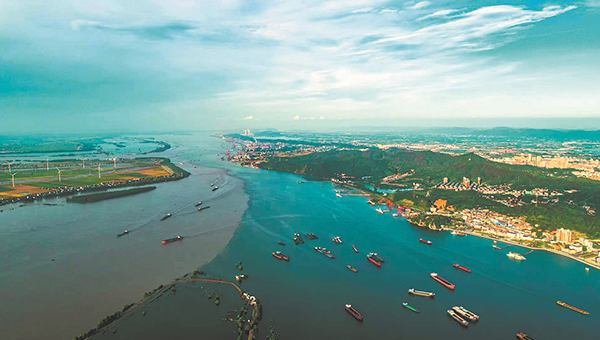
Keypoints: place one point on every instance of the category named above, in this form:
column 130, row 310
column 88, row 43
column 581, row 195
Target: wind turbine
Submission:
column 99, row 171
column 13, row 178
column 115, row 161
column 59, row 179
column 47, row 167
column 8, row 165
column 83, row 163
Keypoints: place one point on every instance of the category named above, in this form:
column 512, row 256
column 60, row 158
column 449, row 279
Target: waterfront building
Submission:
column 564, row 235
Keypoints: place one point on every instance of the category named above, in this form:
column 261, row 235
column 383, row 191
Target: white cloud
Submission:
column 418, row 5
column 249, row 118
column 438, row 14
column 321, row 118
column 296, row 117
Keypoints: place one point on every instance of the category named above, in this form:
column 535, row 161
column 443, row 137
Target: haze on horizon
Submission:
column 190, row 65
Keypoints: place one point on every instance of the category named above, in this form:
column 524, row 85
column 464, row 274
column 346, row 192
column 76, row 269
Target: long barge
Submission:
column 458, row 266
column 427, row 242
column 171, row 240
column 166, row 216
column 203, row 208
column 457, row 318
column 421, row 293
column 352, row 269
column 523, row 336
column 406, row 305
column 280, row 256
column 374, row 259
column 443, row 281
column 354, row 312
column 465, row 313
column 566, row 305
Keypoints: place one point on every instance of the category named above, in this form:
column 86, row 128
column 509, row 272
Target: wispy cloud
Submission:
column 249, row 118
column 418, row 5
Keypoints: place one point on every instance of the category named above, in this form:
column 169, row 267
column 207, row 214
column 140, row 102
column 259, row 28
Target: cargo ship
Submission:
column 299, row 238
column 516, row 256
column 123, row 233
column 215, row 188
column 466, row 313
column 166, row 216
column 406, row 305
column 352, row 268
column 311, row 236
column 198, row 204
column 420, row 293
column 355, row 249
column 566, row 305
column 458, row 266
column 457, row 318
column 174, row 239
column 523, row 336
column 203, row 208
column 443, row 281
column 374, row 259
column 281, row 256
column 281, row 243
column 354, row 312
column 337, row 240
column 427, row 242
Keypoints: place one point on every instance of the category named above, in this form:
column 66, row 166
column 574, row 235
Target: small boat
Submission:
column 212, row 184
column 587, row 269
column 427, row 242
column 443, row 281
column 421, row 293
column 523, row 336
column 566, row 305
column 198, row 204
column 325, row 252
column 355, row 249
column 337, row 240
column 174, row 239
column 379, row 210
column 458, row 266
column 406, row 305
column 296, row 235
column 395, row 214
column 354, row 312
column 123, row 233
column 466, row 313
column 352, row 268
column 338, row 195
column 281, row 256
column 296, row 240
column 166, row 216
column 457, row 233
column 281, row 243
column 457, row 318
column 215, row 188
column 374, row 259
column 202, row 208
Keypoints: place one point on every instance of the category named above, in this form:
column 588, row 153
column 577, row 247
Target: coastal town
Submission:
column 479, row 221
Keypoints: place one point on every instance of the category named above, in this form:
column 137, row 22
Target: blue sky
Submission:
column 161, row 65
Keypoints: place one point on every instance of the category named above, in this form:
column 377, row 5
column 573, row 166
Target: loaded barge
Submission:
column 406, row 305
column 566, row 305
column 465, row 313
column 421, row 293
column 427, row 242
column 457, row 318
column 352, row 269
column 354, row 312
column 523, row 336
column 171, row 240
column 374, row 259
column 458, row 266
column 281, row 256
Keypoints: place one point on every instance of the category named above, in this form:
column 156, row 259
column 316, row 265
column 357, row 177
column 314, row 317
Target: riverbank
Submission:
column 108, row 195
column 594, row 265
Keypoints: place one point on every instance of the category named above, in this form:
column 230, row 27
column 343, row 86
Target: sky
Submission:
column 154, row 65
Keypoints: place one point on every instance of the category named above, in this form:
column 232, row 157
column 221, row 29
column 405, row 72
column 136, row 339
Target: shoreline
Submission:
column 556, row 252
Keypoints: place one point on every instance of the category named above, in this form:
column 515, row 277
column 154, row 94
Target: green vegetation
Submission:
column 108, row 195
column 430, row 168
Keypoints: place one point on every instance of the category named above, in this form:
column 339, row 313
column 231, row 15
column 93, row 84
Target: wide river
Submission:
column 95, row 273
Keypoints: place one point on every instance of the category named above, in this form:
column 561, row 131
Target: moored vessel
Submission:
column 325, row 252
column 566, row 305
column 406, row 305
column 421, row 293
column 281, row 243
column 355, row 249
column 166, row 216
column 457, row 318
column 523, row 336
column 352, row 268
column 465, row 313
column 174, row 239
column 457, row 233
column 374, row 259
column 215, row 188
column 458, row 266
column 516, row 256
column 354, row 312
column 280, row 256
column 203, row 208
column 311, row 236
column 379, row 210
column 443, row 281
column 338, row 195
column 337, row 240
column 427, row 242
column 296, row 235
column 199, row 204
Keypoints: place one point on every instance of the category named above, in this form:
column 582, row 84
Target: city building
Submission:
column 564, row 235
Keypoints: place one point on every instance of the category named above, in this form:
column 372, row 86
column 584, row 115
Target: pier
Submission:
column 501, row 248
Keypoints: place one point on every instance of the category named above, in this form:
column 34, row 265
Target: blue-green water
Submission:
column 306, row 296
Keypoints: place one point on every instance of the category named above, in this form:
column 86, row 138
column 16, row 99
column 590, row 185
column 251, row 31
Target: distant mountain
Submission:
column 548, row 134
